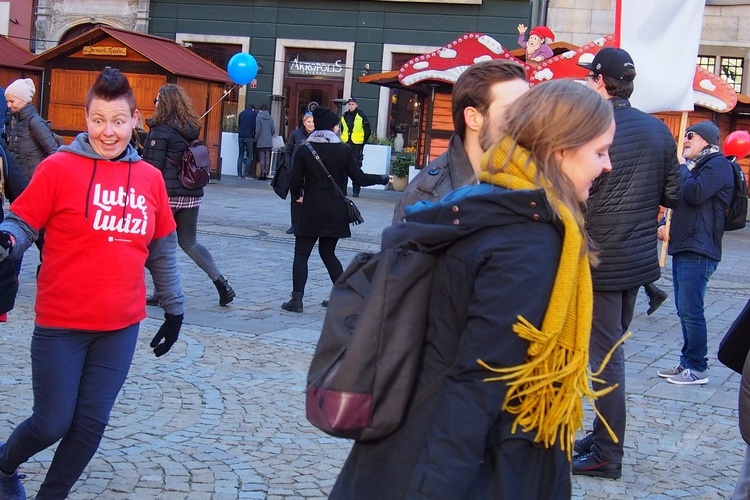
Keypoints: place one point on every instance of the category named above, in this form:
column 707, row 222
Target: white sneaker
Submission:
column 689, row 377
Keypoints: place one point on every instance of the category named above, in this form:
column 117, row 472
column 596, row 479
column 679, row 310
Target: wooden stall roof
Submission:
column 171, row 56
column 14, row 56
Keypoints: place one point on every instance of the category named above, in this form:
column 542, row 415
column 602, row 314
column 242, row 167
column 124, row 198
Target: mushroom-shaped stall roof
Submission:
column 442, row 67
column 171, row 56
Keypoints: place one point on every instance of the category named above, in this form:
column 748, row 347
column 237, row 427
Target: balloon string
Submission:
column 226, row 93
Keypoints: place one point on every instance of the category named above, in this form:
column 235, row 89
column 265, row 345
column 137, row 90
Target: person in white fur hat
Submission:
column 30, row 139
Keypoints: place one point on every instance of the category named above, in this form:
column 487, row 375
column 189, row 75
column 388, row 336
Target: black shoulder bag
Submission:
column 355, row 217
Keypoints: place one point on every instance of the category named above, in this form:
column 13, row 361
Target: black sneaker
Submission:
column 589, row 464
column 584, row 444
column 290, row 230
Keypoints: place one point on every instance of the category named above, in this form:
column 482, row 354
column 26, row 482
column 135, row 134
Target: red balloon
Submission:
column 737, row 144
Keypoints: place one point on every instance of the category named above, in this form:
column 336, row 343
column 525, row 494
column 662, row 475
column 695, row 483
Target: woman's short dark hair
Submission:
column 111, row 85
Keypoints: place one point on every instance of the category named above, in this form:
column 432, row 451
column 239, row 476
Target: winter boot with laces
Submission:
column 226, row 292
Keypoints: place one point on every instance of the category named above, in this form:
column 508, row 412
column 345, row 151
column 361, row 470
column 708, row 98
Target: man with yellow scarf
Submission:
column 510, row 315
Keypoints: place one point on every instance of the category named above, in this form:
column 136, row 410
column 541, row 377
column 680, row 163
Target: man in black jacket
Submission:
column 621, row 219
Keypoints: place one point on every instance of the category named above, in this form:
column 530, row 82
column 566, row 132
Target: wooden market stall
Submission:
column 13, row 66
column 148, row 61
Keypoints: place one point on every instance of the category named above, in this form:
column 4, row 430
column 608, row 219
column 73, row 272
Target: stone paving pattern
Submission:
column 222, row 415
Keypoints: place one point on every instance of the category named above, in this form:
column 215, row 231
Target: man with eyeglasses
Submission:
column 695, row 244
column 621, row 219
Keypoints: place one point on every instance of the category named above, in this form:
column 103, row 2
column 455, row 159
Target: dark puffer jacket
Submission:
column 30, row 139
column 698, row 220
column 623, row 206
column 164, row 148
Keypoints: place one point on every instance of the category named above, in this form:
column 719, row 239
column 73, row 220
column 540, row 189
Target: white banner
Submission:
column 662, row 37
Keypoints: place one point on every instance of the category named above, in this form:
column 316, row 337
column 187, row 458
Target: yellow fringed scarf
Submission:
column 546, row 391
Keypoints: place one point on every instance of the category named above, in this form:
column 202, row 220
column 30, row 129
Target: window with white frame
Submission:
column 730, row 69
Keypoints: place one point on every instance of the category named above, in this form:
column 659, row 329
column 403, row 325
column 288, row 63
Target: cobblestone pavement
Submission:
column 222, row 415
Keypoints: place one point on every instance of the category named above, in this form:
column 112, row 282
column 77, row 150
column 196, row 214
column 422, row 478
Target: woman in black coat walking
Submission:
column 323, row 214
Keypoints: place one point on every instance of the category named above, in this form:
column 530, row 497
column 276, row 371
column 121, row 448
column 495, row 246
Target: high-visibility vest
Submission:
column 358, row 134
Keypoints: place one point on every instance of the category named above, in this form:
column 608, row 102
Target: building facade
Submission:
column 725, row 37
column 312, row 52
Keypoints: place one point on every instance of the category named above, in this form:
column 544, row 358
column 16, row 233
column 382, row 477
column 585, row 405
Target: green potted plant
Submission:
column 400, row 164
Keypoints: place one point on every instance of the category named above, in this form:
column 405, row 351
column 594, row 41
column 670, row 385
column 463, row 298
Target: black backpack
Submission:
column 735, row 217
column 366, row 364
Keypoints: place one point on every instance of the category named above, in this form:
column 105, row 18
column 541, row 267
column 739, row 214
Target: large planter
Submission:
column 399, row 183
column 376, row 160
column 229, row 151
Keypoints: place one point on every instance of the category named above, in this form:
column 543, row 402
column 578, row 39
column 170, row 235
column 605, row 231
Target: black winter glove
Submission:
column 168, row 333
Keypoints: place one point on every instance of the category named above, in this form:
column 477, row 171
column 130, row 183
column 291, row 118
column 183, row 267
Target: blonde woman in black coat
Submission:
column 323, row 214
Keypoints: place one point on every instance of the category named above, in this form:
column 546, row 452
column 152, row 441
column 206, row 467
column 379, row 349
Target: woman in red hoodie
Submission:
column 105, row 211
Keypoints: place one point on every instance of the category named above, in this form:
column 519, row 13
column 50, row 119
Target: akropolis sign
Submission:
column 316, row 68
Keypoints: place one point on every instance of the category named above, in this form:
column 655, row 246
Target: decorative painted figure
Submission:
column 536, row 48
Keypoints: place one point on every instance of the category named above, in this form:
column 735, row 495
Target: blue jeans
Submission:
column 690, row 273
column 246, row 145
column 76, row 376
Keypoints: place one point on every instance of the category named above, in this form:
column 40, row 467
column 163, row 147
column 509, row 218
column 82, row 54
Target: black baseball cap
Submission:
column 351, row 99
column 612, row 62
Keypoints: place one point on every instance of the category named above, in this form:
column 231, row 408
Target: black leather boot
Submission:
column 226, row 292
column 656, row 297
column 294, row 305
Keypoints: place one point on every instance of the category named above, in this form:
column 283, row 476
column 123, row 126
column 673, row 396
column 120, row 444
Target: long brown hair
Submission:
column 174, row 109
column 551, row 117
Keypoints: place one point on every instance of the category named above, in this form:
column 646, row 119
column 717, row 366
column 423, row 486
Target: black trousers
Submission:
column 358, row 150
column 303, row 246
column 613, row 312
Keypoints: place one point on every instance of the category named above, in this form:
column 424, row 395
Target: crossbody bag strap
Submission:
column 317, row 157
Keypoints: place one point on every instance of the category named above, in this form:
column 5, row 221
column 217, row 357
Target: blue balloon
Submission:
column 242, row 68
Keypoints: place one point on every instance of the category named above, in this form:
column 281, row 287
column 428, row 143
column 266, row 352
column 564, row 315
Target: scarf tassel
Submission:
column 546, row 392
